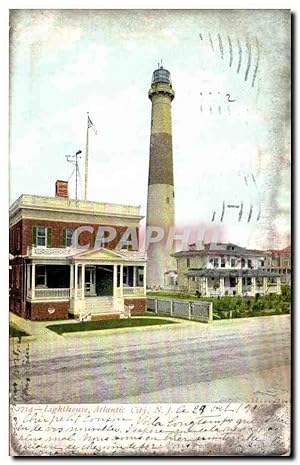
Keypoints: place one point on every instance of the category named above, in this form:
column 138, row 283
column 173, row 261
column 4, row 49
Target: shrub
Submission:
column 286, row 292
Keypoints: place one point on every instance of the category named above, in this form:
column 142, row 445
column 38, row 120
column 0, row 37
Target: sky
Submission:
column 231, row 113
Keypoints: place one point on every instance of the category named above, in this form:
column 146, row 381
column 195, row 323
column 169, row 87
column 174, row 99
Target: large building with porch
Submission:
column 225, row 269
column 52, row 278
column 280, row 261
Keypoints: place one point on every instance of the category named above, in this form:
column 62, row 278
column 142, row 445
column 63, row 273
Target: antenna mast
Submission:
column 74, row 160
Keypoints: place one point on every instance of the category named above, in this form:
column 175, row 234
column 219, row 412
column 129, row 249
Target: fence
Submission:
column 198, row 311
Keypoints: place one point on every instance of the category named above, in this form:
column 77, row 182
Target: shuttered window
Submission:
column 66, row 237
column 41, row 236
column 69, row 235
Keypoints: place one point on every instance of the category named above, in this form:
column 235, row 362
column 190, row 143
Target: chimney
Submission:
column 61, row 189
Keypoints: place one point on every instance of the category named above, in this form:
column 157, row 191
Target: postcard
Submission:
column 150, row 232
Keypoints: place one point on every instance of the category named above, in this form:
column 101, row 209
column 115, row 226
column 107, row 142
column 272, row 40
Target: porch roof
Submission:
column 236, row 273
column 103, row 254
column 68, row 255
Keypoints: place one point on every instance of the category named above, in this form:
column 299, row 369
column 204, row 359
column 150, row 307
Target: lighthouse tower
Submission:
column 160, row 204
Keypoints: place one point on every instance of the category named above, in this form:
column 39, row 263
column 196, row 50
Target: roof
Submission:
column 218, row 249
column 221, row 273
column 286, row 249
column 38, row 202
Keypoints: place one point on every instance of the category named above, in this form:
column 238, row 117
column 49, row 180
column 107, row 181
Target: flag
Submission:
column 90, row 125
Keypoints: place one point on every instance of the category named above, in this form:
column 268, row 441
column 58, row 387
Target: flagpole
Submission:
column 86, row 167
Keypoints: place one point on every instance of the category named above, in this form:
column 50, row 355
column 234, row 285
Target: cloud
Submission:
column 43, row 28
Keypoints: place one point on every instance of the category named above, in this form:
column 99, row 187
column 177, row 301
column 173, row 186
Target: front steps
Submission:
column 100, row 308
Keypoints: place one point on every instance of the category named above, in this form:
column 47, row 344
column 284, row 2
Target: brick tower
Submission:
column 160, row 203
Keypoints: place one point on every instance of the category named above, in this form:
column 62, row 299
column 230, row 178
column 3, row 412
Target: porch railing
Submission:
column 138, row 290
column 46, row 293
column 49, row 251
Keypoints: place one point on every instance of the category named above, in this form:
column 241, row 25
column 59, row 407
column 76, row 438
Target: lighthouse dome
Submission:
column 161, row 75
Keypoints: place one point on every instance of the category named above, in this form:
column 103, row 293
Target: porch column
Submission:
column 222, row 286
column 188, row 284
column 28, row 277
column 265, row 285
column 240, row 286
column 121, row 280
column 253, row 285
column 82, row 280
column 206, row 286
column 144, row 279
column 33, row 280
column 134, row 276
column 75, row 281
column 71, row 280
column 115, row 282
column 278, row 282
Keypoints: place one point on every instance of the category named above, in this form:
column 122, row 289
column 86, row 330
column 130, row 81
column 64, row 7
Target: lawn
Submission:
column 16, row 332
column 107, row 324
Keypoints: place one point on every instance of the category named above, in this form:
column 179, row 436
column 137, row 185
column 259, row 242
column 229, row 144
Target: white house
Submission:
column 225, row 269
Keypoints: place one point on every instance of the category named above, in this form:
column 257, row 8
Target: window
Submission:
column 216, row 262
column 232, row 281
column 18, row 239
column 41, row 236
column 249, row 281
column 233, row 262
column 125, row 275
column 188, row 262
column 223, row 262
column 118, row 275
column 140, row 276
column 17, row 277
column 128, row 276
column 69, row 235
column 249, row 263
column 243, row 263
column 41, row 276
